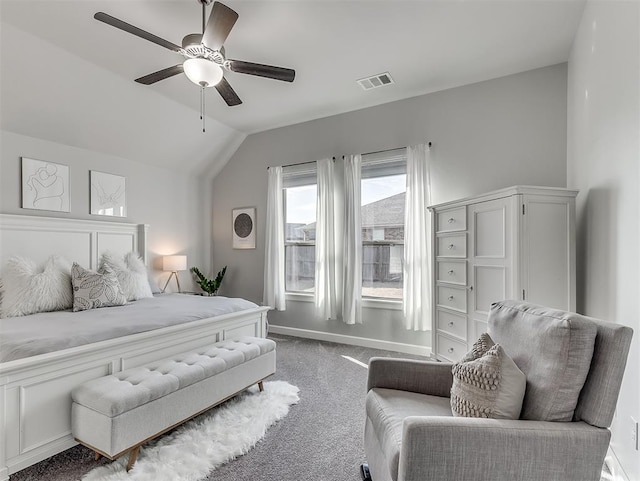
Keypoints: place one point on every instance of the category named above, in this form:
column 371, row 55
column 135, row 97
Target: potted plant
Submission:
column 209, row 286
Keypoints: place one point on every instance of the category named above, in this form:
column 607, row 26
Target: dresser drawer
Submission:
column 452, row 246
column 452, row 297
column 453, row 272
column 452, row 324
column 450, row 349
column 452, row 220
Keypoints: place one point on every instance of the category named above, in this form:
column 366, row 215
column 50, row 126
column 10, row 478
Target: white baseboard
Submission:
column 351, row 340
column 614, row 466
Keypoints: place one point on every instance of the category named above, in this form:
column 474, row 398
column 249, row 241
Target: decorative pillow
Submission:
column 95, row 289
column 132, row 274
column 487, row 383
column 29, row 288
column 552, row 348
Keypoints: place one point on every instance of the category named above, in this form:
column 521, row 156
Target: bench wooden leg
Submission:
column 133, row 455
column 97, row 456
column 260, row 386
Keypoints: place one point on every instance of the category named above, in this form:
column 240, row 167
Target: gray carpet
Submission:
column 319, row 440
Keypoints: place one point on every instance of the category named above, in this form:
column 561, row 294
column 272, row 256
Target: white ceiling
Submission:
column 62, row 70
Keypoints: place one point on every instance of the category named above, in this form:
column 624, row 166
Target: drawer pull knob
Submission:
column 452, row 246
column 450, row 323
column 451, row 298
column 451, row 272
column 451, row 220
column 450, row 350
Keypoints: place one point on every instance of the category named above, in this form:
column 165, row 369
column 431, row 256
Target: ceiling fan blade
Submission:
column 227, row 93
column 114, row 22
column 268, row 71
column 221, row 21
column 160, row 75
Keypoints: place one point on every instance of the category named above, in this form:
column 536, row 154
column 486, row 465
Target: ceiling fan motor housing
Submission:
column 193, row 48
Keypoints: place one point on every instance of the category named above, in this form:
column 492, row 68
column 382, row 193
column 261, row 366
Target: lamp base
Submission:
column 173, row 273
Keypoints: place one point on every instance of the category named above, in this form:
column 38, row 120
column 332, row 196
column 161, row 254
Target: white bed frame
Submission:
column 35, row 399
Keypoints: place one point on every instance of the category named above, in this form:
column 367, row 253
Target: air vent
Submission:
column 375, row 81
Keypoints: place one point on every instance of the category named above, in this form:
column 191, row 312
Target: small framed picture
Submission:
column 45, row 185
column 108, row 194
column 244, row 228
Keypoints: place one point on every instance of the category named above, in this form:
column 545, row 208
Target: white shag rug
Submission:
column 191, row 451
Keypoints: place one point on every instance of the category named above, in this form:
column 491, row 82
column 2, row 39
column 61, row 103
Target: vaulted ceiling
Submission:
column 68, row 78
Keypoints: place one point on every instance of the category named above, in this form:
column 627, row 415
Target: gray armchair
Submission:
column 411, row 434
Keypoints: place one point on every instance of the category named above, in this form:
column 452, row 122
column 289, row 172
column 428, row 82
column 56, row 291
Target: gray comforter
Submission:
column 27, row 336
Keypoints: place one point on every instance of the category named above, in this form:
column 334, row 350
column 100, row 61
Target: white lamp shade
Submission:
column 174, row 263
column 202, row 71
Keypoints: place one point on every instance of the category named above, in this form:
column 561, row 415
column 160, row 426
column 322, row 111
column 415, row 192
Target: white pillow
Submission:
column 29, row 288
column 92, row 290
column 132, row 274
column 487, row 383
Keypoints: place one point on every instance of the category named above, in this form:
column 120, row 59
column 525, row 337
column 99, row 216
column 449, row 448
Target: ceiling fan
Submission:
column 204, row 54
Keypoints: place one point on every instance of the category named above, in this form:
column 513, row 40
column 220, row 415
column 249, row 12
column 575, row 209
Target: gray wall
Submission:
column 171, row 202
column 488, row 135
column 604, row 164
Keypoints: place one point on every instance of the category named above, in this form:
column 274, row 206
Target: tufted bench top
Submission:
column 121, row 392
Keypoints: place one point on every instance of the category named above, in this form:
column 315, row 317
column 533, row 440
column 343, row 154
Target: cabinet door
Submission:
column 491, row 240
column 548, row 252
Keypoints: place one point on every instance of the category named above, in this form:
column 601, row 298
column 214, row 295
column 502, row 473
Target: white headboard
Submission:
column 77, row 240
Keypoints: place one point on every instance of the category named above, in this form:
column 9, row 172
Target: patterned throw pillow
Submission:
column 487, row 383
column 95, row 289
column 30, row 288
column 132, row 274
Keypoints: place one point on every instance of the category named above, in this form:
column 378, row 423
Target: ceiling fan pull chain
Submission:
column 202, row 113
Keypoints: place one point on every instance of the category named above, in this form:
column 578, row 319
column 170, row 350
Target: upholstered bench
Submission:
column 116, row 414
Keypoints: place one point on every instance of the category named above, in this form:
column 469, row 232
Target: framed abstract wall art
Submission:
column 108, row 194
column 45, row 185
column 244, row 228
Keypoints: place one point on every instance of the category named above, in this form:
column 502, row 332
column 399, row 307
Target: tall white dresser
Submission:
column 513, row 243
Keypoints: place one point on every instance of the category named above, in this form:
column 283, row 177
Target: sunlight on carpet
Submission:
column 190, row 452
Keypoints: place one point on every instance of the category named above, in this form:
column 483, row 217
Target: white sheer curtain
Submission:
column 417, row 240
column 326, row 294
column 274, row 275
column 352, row 243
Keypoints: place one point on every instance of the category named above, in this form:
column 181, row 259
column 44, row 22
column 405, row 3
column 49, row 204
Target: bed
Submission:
column 36, row 380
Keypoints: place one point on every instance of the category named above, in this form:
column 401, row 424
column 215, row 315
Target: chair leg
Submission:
column 133, row 456
column 364, row 472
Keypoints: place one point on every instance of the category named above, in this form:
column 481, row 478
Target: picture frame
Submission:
column 108, row 194
column 243, row 227
column 45, row 185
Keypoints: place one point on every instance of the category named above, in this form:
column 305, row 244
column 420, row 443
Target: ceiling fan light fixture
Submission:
column 202, row 72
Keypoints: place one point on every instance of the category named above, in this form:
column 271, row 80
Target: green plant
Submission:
column 210, row 286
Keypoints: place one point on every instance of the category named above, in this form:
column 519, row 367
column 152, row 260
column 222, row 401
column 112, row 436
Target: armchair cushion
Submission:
column 487, row 383
column 386, row 411
column 552, row 348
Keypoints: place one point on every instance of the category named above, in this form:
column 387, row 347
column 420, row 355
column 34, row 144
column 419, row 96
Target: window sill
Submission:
column 299, row 296
column 367, row 302
column 379, row 303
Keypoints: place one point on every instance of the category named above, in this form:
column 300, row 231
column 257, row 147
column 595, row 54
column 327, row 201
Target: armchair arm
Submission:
column 426, row 377
column 451, row 448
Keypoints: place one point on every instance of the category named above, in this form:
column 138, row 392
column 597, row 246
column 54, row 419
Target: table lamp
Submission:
column 174, row 264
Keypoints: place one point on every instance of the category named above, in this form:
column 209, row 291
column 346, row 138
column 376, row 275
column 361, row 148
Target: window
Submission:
column 300, row 191
column 383, row 189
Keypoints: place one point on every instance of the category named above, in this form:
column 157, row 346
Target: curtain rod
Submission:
column 389, row 150
column 333, row 158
